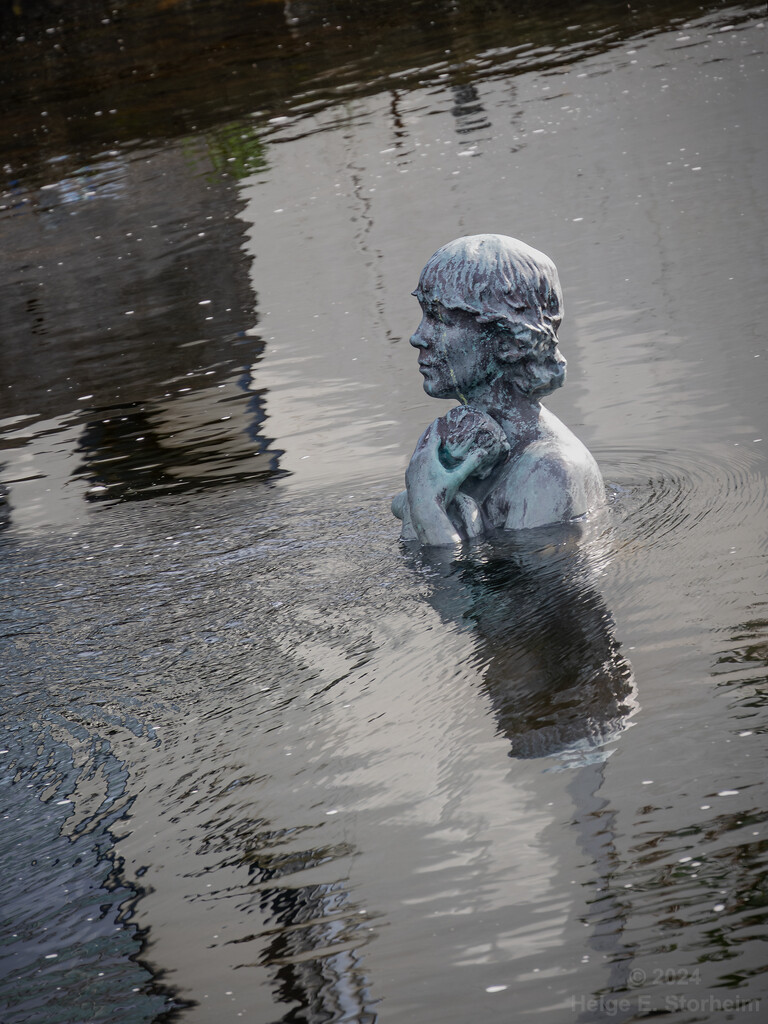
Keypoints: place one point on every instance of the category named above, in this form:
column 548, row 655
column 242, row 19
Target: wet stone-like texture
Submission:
column 258, row 760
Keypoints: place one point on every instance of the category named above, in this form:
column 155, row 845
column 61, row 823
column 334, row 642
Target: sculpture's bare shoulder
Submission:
column 553, row 479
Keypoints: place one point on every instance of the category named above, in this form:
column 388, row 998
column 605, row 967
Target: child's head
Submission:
column 512, row 289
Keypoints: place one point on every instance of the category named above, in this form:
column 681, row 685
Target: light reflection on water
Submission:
column 302, row 773
column 291, row 737
column 282, row 774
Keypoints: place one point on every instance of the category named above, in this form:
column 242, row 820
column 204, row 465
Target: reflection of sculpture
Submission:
column 555, row 677
column 491, row 309
column 552, row 667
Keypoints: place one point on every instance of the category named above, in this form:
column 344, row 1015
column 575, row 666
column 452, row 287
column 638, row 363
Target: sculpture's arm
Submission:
column 432, row 487
column 463, row 512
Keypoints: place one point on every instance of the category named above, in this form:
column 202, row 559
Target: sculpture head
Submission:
column 492, row 306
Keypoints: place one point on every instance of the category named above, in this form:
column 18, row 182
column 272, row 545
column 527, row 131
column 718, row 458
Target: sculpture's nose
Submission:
column 417, row 339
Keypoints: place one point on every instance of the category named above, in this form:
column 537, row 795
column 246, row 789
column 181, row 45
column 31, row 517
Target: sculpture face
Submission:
column 499, row 297
column 455, row 352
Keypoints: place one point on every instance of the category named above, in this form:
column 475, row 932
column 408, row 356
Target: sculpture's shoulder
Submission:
column 553, row 479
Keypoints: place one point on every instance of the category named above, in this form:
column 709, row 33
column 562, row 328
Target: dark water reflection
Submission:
column 544, row 640
column 259, row 762
column 232, row 758
column 136, row 277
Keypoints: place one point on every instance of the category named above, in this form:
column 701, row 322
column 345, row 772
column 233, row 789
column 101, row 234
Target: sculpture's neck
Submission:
column 518, row 415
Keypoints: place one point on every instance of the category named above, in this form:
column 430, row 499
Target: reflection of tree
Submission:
column 315, row 953
column 313, row 932
column 173, row 65
column 234, row 149
column 139, row 278
column 743, row 668
column 468, row 109
column 183, row 443
column 399, row 130
column 159, row 348
column 5, row 508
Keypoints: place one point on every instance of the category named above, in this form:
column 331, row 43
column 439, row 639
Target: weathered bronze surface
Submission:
column 491, row 307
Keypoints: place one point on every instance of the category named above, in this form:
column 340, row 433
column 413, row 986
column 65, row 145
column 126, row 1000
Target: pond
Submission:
column 260, row 760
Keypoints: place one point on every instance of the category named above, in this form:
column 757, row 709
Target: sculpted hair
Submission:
column 512, row 288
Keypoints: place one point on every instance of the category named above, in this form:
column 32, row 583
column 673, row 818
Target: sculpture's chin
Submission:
column 434, row 390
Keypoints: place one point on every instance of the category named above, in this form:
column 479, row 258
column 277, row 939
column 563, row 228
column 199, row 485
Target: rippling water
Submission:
column 260, row 761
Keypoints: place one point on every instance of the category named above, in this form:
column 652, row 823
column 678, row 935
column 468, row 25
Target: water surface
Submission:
column 261, row 761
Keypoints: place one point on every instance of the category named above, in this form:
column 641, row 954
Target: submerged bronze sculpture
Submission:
column 491, row 309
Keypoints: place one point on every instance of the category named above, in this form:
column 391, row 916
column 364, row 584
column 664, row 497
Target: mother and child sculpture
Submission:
column 491, row 308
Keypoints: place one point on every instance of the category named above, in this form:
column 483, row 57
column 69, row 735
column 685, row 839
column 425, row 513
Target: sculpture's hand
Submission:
column 473, row 438
column 462, row 444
